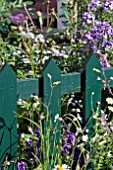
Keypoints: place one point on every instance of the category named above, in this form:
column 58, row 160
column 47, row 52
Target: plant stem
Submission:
column 48, row 13
column 76, row 15
column 26, row 10
column 59, row 22
column 71, row 21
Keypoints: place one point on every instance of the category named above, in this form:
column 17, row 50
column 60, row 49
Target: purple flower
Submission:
column 21, row 165
column 104, row 63
column 33, row 151
column 98, row 37
column 108, row 5
column 67, row 149
column 29, row 142
column 88, row 17
column 94, row 5
column 38, row 144
column 37, row 133
column 18, row 19
column 68, row 142
column 104, row 124
column 71, row 138
column 76, row 156
column 30, row 152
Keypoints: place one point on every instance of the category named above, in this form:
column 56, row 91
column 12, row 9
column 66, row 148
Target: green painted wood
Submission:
column 52, row 100
column 41, row 87
column 27, row 87
column 92, row 86
column 69, row 82
column 9, row 94
column 8, row 119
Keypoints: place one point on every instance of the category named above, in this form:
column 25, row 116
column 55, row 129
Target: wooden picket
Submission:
column 12, row 90
column 8, row 119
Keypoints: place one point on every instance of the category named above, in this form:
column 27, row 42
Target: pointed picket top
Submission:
column 7, row 68
column 92, row 60
column 51, row 66
column 93, row 69
column 8, row 110
column 92, row 85
column 53, row 72
column 51, row 69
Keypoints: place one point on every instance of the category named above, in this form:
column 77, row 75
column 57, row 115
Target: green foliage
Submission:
column 6, row 7
column 103, row 142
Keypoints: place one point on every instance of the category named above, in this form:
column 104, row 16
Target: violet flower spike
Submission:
column 21, row 165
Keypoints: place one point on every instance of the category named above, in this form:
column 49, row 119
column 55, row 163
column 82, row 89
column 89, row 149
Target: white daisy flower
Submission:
column 109, row 100
column 85, row 138
column 110, row 108
column 61, row 167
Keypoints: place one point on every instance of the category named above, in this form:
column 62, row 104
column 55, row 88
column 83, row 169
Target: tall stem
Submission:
column 27, row 12
column 76, row 15
column 71, row 22
column 48, row 2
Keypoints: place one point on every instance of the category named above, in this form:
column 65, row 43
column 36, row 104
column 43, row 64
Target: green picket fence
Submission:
column 12, row 90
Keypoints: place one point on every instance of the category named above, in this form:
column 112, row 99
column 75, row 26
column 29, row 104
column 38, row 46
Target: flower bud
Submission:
column 48, row 2
column 28, row 50
column 39, row 14
column 53, row 11
column 20, row 28
column 70, row 2
column 25, row 5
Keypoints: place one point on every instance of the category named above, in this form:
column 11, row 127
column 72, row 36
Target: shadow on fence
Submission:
column 12, row 90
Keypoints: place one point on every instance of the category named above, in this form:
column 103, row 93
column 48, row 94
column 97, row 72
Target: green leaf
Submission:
column 38, row 168
column 20, row 1
column 31, row 9
column 28, row 3
column 49, row 30
column 66, row 13
column 41, row 20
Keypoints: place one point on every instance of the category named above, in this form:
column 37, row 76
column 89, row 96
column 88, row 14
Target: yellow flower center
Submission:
column 60, row 168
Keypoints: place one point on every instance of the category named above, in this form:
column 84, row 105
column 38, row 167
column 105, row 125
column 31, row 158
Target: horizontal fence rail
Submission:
column 27, row 87
column 92, row 80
